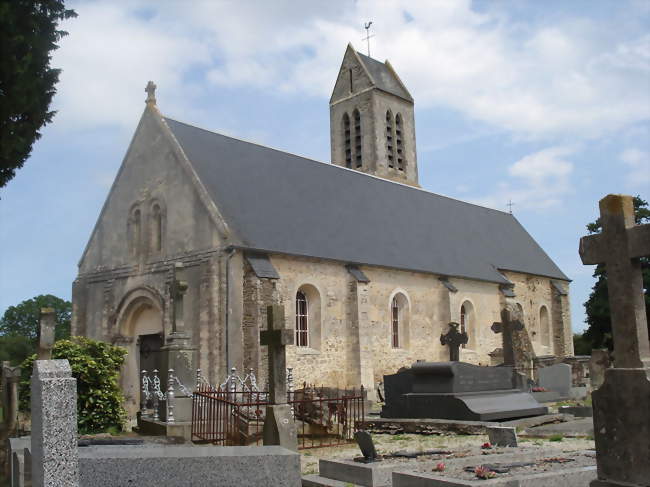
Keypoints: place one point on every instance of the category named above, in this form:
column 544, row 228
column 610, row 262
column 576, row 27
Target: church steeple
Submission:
column 372, row 125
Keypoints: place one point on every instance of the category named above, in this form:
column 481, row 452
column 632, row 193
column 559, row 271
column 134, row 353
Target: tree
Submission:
column 28, row 35
column 19, row 325
column 599, row 330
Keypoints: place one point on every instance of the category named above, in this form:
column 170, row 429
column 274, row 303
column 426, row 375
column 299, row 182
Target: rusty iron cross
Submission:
column 277, row 337
column 619, row 247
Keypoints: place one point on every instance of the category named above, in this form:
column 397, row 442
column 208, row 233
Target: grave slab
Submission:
column 502, row 436
column 457, row 391
column 198, row 466
column 556, row 378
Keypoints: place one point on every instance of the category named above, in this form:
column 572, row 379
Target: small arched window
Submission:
column 357, row 138
column 467, row 324
column 347, row 138
column 156, row 228
column 463, row 321
column 390, row 147
column 399, row 143
column 395, row 316
column 302, row 320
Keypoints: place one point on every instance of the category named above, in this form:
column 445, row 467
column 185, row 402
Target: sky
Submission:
column 545, row 104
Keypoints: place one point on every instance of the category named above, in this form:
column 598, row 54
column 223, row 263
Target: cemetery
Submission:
column 436, row 424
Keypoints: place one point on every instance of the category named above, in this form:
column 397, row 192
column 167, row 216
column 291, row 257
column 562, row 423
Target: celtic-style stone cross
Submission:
column 179, row 288
column 151, row 93
column 454, row 339
column 619, row 247
column 277, row 337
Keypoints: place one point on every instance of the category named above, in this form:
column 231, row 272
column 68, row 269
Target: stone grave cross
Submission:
column 179, row 288
column 277, row 337
column 507, row 327
column 619, row 247
column 454, row 339
column 279, row 425
column 47, row 324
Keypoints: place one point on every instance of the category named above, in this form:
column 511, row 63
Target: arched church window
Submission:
column 395, row 322
column 467, row 324
column 302, row 317
column 156, row 228
column 347, row 138
column 544, row 326
column 357, row 138
column 463, row 321
column 390, row 148
column 399, row 143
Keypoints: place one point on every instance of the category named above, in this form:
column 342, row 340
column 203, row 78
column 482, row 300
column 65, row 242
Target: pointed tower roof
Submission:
column 384, row 77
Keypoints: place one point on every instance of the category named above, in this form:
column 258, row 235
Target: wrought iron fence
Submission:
column 235, row 417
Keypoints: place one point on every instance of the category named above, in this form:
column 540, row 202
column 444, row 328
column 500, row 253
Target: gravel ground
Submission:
column 460, row 446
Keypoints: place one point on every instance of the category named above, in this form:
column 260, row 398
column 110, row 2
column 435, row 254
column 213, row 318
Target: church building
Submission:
column 369, row 267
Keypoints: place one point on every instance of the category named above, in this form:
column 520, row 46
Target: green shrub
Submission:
column 96, row 366
column 557, row 437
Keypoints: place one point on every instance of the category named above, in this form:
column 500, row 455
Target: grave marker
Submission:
column 508, row 326
column 622, row 404
column 279, row 425
column 47, row 324
column 367, row 446
column 454, row 339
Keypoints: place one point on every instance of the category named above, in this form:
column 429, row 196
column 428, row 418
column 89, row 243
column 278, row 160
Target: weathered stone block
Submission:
column 502, row 436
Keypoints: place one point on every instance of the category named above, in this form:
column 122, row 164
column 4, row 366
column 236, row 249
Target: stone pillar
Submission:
column 598, row 364
column 10, row 379
column 361, row 370
column 55, row 459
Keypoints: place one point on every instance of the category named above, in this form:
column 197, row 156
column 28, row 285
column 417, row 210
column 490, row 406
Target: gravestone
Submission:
column 46, row 333
column 502, row 436
column 456, row 390
column 279, row 425
column 367, row 446
column 516, row 350
column 10, row 399
column 454, row 339
column 556, row 378
column 621, row 406
column 598, row 364
column 54, row 425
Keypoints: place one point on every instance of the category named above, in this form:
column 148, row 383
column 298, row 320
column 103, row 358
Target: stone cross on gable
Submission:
column 508, row 325
column 619, row 247
column 47, row 324
column 151, row 93
column 277, row 337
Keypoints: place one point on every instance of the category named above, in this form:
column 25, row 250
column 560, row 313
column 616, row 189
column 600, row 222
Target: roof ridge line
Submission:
column 329, row 164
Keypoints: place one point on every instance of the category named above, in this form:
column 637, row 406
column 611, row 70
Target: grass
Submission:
column 556, row 438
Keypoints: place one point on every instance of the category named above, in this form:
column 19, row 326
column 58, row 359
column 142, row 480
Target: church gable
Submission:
column 154, row 209
column 353, row 76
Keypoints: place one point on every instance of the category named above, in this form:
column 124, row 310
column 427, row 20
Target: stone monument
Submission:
column 598, row 364
column 454, row 339
column 279, row 425
column 55, row 458
column 10, row 399
column 178, row 354
column 621, row 406
column 46, row 331
column 458, row 391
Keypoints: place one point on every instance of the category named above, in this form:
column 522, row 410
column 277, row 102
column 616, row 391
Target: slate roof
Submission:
column 279, row 202
column 383, row 77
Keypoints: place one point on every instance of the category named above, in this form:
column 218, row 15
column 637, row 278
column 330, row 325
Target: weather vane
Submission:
column 366, row 26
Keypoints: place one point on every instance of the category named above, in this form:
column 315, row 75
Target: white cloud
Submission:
column 638, row 162
column 531, row 79
column 537, row 181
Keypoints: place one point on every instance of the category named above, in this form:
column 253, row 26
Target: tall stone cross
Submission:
column 508, row 325
column 47, row 324
column 277, row 337
column 454, row 339
column 279, row 425
column 619, row 247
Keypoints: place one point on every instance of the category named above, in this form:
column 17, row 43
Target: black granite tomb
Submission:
column 456, row 390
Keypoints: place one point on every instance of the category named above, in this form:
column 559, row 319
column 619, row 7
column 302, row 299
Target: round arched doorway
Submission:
column 140, row 324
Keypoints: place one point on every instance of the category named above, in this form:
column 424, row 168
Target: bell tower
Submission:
column 372, row 124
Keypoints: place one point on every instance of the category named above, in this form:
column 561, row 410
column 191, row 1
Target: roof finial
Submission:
column 151, row 93
column 366, row 26
column 510, row 205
